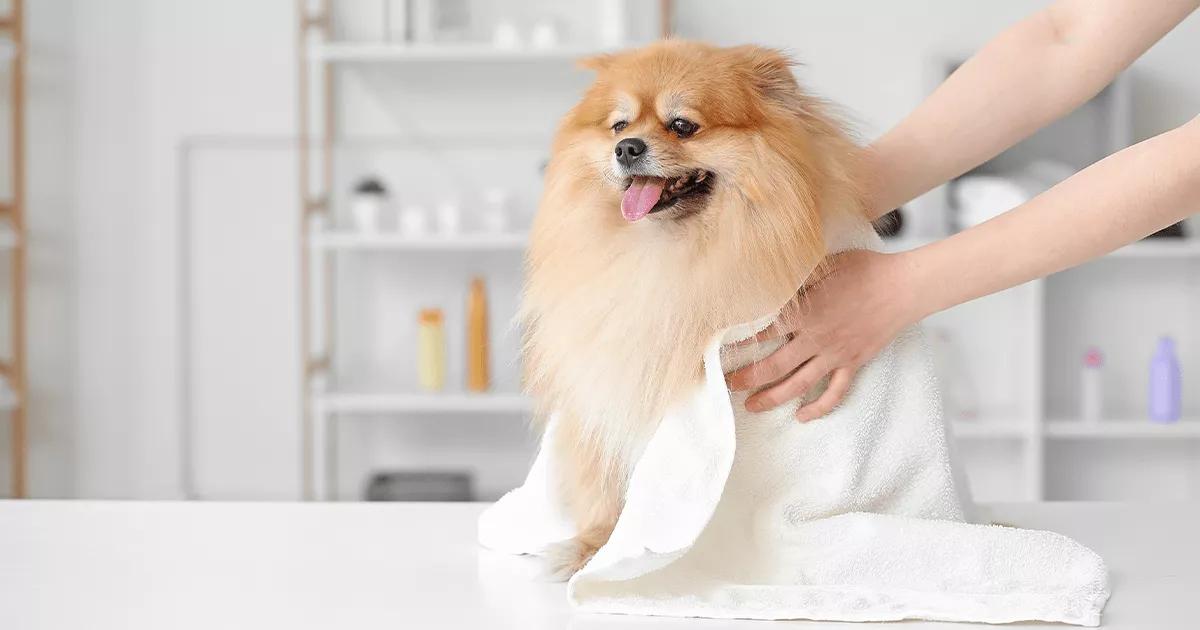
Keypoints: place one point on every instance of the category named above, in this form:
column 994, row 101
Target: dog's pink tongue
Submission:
column 640, row 198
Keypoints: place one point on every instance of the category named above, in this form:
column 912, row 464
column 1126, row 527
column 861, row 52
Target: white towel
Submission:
column 853, row 517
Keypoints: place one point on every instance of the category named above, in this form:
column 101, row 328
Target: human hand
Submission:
column 836, row 326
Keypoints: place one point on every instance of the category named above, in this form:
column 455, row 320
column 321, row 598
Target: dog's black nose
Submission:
column 629, row 150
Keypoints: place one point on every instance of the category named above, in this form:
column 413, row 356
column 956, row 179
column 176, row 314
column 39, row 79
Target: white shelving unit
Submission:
column 321, row 56
column 350, row 240
column 461, row 53
column 455, row 403
column 1185, row 429
column 1154, row 249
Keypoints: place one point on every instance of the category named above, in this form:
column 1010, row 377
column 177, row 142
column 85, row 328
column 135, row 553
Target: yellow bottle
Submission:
column 477, row 338
column 431, row 350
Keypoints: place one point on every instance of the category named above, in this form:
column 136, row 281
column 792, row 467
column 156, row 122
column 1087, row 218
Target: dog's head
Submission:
column 686, row 193
column 673, row 124
column 716, row 150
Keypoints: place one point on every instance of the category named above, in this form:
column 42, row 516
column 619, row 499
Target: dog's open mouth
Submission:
column 647, row 195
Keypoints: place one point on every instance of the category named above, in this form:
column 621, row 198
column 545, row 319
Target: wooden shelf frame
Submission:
column 12, row 26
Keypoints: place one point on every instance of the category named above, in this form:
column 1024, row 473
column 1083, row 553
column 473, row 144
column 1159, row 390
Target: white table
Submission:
column 69, row 565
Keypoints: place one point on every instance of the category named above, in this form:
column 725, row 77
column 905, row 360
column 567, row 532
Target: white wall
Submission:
column 149, row 73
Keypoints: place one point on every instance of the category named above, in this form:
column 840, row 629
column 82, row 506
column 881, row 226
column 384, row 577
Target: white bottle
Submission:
column 448, row 217
column 496, row 208
column 1090, row 394
column 610, row 21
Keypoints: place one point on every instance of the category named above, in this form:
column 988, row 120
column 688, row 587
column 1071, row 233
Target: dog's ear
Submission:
column 769, row 69
column 595, row 63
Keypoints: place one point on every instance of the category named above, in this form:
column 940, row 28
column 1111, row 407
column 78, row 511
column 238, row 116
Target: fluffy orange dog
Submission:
column 687, row 192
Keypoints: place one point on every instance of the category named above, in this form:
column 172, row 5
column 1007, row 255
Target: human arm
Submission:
column 1029, row 75
column 848, row 316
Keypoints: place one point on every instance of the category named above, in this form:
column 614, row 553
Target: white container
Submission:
column 611, row 22
column 414, row 221
column 494, row 218
column 365, row 23
column 506, row 36
column 544, row 35
column 395, row 21
column 368, row 204
column 439, row 21
column 448, row 217
column 1091, row 396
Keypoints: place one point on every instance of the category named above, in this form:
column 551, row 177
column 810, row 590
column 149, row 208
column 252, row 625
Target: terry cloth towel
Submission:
column 854, row 517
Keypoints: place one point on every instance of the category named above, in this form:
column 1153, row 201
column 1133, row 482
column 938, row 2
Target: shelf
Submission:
column 413, row 53
column 1160, row 248
column 987, row 429
column 1122, row 429
column 344, row 402
column 350, row 240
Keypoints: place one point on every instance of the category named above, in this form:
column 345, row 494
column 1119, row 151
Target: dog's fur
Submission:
column 617, row 313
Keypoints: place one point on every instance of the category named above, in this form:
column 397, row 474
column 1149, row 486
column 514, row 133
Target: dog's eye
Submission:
column 682, row 127
column 619, row 126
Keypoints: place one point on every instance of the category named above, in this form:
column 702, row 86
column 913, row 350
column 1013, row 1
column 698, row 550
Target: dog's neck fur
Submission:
column 612, row 380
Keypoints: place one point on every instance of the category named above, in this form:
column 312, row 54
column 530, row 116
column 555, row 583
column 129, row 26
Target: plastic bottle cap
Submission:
column 1093, row 358
column 430, row 316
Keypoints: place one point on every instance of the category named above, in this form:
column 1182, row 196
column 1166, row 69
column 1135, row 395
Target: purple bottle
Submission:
column 1165, row 383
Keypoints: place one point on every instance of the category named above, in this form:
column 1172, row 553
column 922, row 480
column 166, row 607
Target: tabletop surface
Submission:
column 66, row 565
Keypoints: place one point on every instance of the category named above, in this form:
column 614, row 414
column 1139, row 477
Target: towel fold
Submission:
column 856, row 517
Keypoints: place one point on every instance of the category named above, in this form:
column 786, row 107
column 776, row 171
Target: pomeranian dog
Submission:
column 692, row 189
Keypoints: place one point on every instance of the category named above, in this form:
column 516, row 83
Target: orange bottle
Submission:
column 477, row 337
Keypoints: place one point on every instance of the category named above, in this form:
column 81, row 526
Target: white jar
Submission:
column 506, row 36
column 413, row 221
column 495, row 216
column 448, row 217
column 367, row 204
column 611, row 21
column 544, row 35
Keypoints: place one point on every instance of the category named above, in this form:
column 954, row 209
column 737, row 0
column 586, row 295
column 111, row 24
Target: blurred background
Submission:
column 272, row 250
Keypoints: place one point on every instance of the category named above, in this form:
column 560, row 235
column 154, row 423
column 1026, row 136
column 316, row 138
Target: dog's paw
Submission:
column 566, row 559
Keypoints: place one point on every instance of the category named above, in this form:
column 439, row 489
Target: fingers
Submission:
column 777, row 329
column 785, row 323
column 774, row 367
column 792, row 387
column 839, row 384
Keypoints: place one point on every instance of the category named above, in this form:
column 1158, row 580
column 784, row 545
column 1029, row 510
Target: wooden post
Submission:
column 15, row 24
column 311, row 204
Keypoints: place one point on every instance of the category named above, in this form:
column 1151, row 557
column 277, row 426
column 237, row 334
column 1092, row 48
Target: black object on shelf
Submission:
column 423, row 485
column 890, row 224
column 370, row 186
column 1171, row 231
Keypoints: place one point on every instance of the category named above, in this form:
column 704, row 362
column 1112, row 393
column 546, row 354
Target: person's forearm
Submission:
column 1116, row 201
column 1028, row 76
